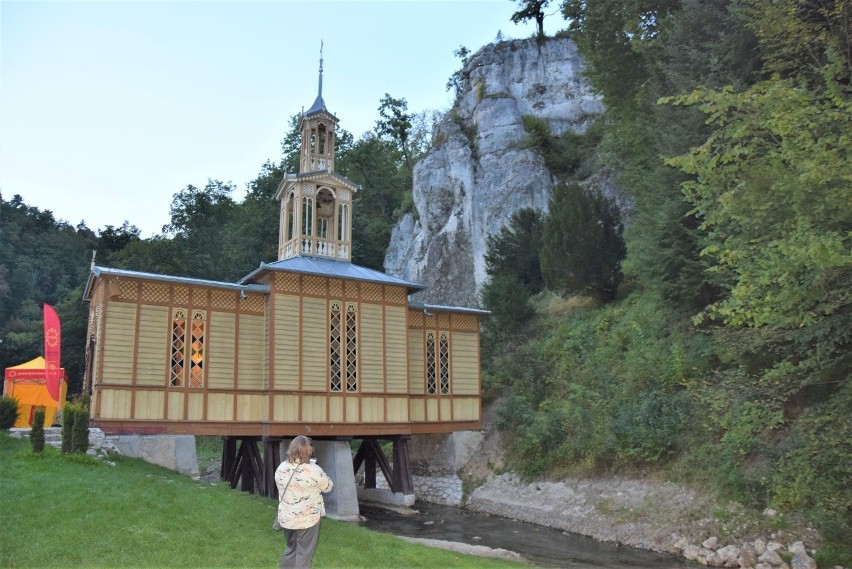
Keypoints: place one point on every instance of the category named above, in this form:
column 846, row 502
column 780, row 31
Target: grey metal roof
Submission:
column 330, row 268
column 108, row 271
column 427, row 307
column 319, row 105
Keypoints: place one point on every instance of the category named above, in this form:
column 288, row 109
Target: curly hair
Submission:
column 300, row 450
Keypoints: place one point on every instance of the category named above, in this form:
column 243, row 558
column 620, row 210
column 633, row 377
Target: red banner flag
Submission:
column 52, row 341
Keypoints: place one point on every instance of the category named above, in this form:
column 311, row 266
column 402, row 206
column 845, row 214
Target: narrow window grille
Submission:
column 342, row 220
column 196, row 351
column 178, row 340
column 444, row 360
column 335, row 325
column 351, row 349
column 291, row 205
column 431, row 383
column 307, row 216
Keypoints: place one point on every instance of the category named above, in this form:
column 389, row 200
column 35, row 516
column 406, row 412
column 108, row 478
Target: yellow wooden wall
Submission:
column 267, row 357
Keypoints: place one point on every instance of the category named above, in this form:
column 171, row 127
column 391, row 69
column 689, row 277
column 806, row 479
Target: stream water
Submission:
column 545, row 547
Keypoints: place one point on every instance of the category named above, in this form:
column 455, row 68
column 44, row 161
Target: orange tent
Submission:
column 26, row 383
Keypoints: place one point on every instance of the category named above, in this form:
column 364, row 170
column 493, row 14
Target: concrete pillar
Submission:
column 335, row 457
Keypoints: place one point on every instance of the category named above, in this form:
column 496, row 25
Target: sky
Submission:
column 109, row 108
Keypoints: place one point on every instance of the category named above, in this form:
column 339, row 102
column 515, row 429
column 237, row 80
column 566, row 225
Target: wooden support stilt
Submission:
column 403, row 480
column 253, row 467
column 370, row 454
column 229, row 458
column 271, row 460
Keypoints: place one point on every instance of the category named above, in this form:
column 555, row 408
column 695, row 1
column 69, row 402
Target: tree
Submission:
column 395, row 124
column 514, row 251
column 198, row 217
column 375, row 164
column 531, row 9
column 582, row 243
column 456, row 82
column 292, row 146
column 112, row 239
column 37, row 432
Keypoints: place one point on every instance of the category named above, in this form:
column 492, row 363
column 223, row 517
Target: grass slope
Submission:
column 75, row 511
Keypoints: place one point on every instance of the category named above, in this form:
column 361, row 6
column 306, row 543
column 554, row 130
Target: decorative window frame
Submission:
column 436, row 362
column 343, row 347
column 188, row 335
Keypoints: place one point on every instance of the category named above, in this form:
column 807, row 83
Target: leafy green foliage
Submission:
column 37, row 431
column 8, row 412
column 80, row 430
column 457, row 80
column 513, row 252
column 69, row 413
column 42, row 260
column 598, row 387
column 582, row 244
column 749, row 230
column 813, row 474
column 570, row 156
column 531, row 10
column 785, row 262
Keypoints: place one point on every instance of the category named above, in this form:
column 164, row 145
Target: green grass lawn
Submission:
column 75, row 511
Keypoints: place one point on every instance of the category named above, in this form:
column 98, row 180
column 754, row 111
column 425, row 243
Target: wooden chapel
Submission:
column 308, row 344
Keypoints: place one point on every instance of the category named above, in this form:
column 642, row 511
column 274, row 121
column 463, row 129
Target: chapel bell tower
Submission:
column 316, row 203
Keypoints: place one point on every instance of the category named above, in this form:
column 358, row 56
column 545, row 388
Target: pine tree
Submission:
column 582, row 244
column 37, row 432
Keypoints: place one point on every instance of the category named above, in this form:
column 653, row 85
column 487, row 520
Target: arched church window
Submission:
column 187, row 348
column 431, row 365
column 342, row 221
column 444, row 362
column 321, row 134
column 196, row 350
column 325, row 211
column 351, row 348
column 307, row 216
column 178, row 339
column 335, row 346
column 290, row 213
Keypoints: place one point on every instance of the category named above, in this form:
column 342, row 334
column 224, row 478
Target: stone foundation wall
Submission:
column 445, row 490
column 175, row 452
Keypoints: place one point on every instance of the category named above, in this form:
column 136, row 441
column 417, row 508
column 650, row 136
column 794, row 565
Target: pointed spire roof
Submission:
column 319, row 104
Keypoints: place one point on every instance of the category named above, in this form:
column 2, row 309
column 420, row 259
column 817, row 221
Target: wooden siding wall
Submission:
column 266, row 358
column 300, row 377
column 132, row 373
column 463, row 401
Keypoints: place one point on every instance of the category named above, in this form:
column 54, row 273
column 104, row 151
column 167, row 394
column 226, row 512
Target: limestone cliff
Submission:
column 477, row 174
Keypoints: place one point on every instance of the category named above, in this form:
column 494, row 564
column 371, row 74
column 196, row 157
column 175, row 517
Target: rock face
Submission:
column 477, row 174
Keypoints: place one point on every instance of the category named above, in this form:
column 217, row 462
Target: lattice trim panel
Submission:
column 127, row 290
column 155, row 293
column 335, row 288
column 180, row 295
column 314, row 286
column 286, row 282
column 415, row 319
column 223, row 299
column 351, row 288
column 371, row 292
column 199, row 297
column 464, row 322
column 254, row 304
column 395, row 295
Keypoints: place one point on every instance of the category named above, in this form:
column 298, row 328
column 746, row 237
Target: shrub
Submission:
column 37, row 433
column 80, row 431
column 8, row 412
column 68, row 412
